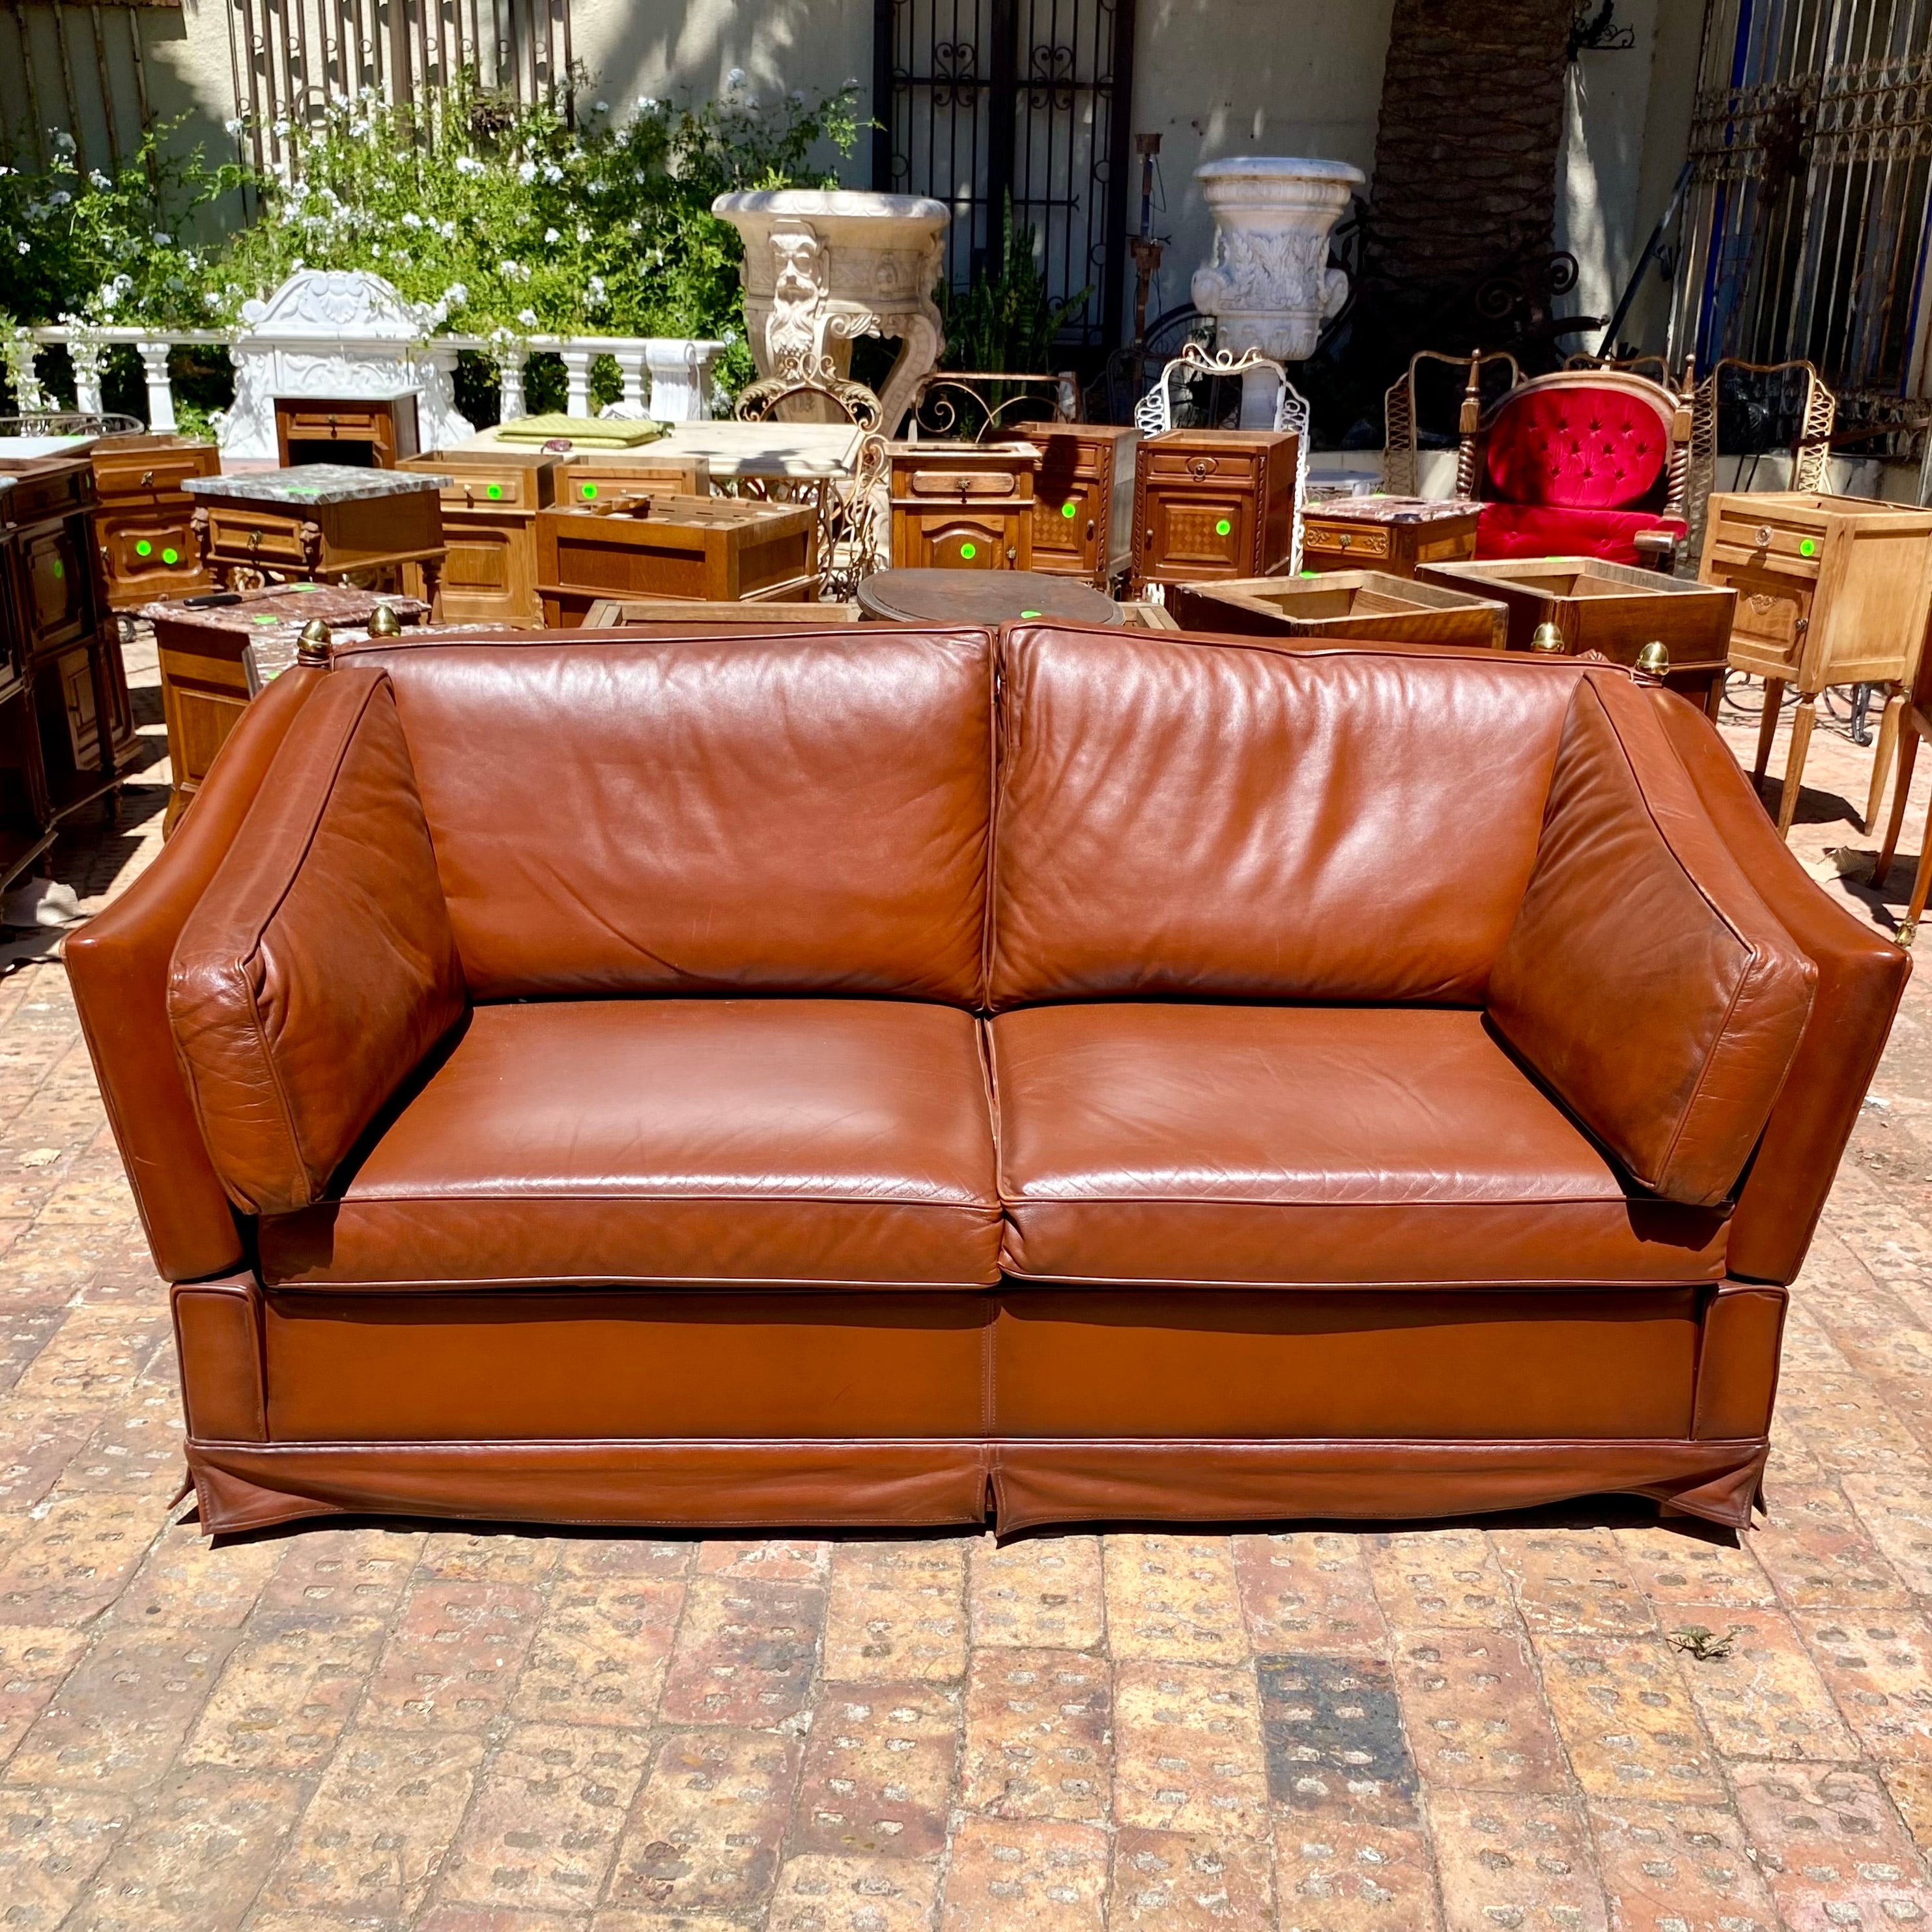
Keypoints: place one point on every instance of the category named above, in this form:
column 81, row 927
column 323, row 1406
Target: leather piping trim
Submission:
column 728, row 1285
column 1662, row 1285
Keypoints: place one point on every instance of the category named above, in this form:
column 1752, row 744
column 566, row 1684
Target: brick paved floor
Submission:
column 1483, row 1727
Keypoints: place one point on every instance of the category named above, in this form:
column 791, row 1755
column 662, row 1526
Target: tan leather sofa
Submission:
column 882, row 1078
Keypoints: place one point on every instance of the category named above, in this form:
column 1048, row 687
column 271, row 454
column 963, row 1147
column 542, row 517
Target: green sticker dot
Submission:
column 969, row 551
column 60, row 569
column 1807, row 548
column 1068, row 511
column 589, row 490
column 171, row 557
column 1222, row 528
column 144, row 548
column 1029, row 613
column 495, row 491
column 264, row 617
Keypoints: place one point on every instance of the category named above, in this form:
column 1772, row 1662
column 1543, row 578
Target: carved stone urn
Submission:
column 824, row 265
column 1269, row 286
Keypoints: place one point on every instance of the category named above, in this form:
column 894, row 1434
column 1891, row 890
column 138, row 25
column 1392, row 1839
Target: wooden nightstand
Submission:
column 146, row 520
column 360, row 432
column 1830, row 590
column 963, row 505
column 490, row 499
column 1213, row 503
column 1389, row 534
column 1083, row 510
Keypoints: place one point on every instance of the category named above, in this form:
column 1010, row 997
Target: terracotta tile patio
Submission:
column 1481, row 1727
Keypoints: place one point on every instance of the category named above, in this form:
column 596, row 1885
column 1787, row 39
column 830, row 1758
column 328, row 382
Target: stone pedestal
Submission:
column 336, row 333
column 1269, row 286
column 824, row 265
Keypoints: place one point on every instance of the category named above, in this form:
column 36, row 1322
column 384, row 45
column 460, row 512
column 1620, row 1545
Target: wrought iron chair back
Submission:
column 852, row 514
column 1769, row 402
column 948, row 400
column 1159, row 409
column 70, row 422
column 1401, row 429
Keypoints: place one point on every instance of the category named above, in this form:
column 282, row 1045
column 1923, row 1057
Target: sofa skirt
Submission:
column 1027, row 1404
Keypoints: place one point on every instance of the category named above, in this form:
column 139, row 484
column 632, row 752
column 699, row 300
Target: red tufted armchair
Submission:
column 1585, row 463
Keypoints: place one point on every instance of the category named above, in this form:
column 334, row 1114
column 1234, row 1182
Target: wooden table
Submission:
column 214, row 656
column 1614, row 609
column 1341, row 603
column 1389, row 534
column 991, row 598
column 1830, row 590
column 324, row 522
column 767, row 451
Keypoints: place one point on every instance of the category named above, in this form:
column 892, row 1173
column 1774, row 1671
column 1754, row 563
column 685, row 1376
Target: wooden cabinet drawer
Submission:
column 1351, row 540
column 512, row 490
column 1234, row 468
column 965, row 484
column 137, row 545
column 240, row 538
column 1741, row 542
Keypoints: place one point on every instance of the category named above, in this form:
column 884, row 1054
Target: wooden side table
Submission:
column 211, row 662
column 1083, row 512
column 1213, row 503
column 1831, row 590
column 1614, row 609
column 324, row 522
column 963, row 505
column 1389, row 534
column 361, row 432
column 1364, row 603
column 713, row 549
column 490, row 499
column 146, row 521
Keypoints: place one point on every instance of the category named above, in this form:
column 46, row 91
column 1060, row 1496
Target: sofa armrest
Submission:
column 319, row 966
column 1645, row 979
column 1861, row 976
column 118, row 965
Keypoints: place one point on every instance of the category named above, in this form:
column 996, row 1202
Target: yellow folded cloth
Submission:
column 583, row 432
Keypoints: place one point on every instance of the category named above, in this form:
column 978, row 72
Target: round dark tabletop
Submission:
column 982, row 597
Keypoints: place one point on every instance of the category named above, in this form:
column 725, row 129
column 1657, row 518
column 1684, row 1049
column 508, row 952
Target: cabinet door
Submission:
column 56, row 575
column 955, row 539
column 1197, row 533
column 151, row 555
column 1068, row 525
column 1769, row 632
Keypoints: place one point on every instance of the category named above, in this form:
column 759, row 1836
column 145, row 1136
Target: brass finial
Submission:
column 313, row 644
column 1547, row 639
column 1653, row 661
column 383, row 621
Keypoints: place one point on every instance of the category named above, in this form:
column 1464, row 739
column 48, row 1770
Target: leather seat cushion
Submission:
column 839, row 1142
column 1309, row 1146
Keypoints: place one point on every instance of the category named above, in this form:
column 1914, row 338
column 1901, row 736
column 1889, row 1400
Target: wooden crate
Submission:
column 710, row 549
column 1213, row 503
column 365, row 432
column 963, row 506
column 489, row 508
column 1389, row 534
column 1083, row 514
column 145, row 523
column 1341, row 603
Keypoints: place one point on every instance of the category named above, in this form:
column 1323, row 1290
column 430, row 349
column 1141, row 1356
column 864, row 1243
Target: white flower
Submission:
column 162, row 241
column 527, row 317
column 63, row 141
column 552, row 173
column 455, row 296
column 468, row 164
column 851, row 80
column 527, row 173
column 211, row 300
column 736, row 78
column 59, row 198
column 551, row 235
column 22, row 247
column 411, row 219
column 233, row 126
column 601, row 107
column 583, row 233
column 647, row 103
column 99, row 179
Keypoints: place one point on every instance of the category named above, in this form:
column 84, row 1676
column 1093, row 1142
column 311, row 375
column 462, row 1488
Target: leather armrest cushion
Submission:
column 1645, row 980
column 319, row 966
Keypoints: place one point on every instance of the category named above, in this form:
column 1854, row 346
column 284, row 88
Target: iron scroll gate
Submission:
column 980, row 99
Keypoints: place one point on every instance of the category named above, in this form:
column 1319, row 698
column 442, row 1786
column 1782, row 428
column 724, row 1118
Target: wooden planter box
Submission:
column 490, row 507
column 146, row 519
column 711, row 549
column 1364, row 604
column 1083, row 513
column 963, row 506
column 1213, row 503
column 598, row 480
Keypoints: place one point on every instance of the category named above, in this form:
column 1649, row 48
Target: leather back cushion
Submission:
column 318, row 968
column 1581, row 448
column 1179, row 818
column 777, row 815
column 1645, row 979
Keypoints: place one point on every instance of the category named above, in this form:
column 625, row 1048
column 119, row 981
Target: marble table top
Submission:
column 316, row 483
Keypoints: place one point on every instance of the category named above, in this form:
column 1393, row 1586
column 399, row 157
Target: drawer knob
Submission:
column 1348, row 538
column 1763, row 536
column 147, row 478
column 1203, row 465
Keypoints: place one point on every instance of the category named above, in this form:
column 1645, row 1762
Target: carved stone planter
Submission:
column 1269, row 286
column 326, row 332
column 823, row 265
